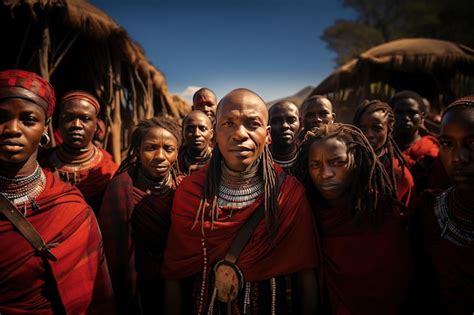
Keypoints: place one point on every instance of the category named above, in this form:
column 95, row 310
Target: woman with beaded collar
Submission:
column 135, row 214
column 445, row 221
column 68, row 275
column 77, row 160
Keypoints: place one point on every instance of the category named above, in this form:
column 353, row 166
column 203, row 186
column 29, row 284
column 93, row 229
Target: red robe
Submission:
column 367, row 269
column 294, row 246
column 78, row 282
column 92, row 182
column 426, row 146
column 134, row 226
column 447, row 270
column 404, row 181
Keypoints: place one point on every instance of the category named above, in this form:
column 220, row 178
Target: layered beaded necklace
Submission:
column 286, row 160
column 238, row 190
column 23, row 190
column 154, row 187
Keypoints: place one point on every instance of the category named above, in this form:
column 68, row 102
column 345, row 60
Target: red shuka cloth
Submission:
column 294, row 246
column 134, row 224
column 92, row 182
column 29, row 285
column 404, row 181
column 367, row 269
column 427, row 146
column 448, row 269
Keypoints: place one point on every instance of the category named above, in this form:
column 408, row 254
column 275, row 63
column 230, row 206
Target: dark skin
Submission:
column 316, row 112
column 284, row 127
column 22, row 124
column 457, row 150
column 241, row 132
column 376, row 129
column 408, row 119
column 197, row 133
column 205, row 101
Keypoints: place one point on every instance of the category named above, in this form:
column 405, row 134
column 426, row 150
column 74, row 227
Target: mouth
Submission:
column 11, row 146
column 287, row 136
column 327, row 186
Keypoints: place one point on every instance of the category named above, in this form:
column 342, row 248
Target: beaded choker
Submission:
column 239, row 189
column 455, row 219
column 286, row 160
column 23, row 190
column 153, row 187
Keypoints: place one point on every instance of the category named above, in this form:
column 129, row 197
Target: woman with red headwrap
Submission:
column 77, row 160
column 67, row 273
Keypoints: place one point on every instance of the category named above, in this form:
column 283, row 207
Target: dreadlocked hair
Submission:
column 132, row 160
column 392, row 149
column 467, row 101
column 266, row 170
column 372, row 179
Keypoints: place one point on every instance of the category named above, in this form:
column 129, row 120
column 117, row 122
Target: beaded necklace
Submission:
column 23, row 190
column 286, row 160
column 239, row 189
column 154, row 187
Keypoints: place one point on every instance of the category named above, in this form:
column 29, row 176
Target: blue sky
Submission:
column 270, row 46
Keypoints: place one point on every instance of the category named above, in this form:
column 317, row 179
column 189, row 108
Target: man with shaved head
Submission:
column 241, row 195
column 284, row 124
column 205, row 100
column 316, row 111
column 197, row 135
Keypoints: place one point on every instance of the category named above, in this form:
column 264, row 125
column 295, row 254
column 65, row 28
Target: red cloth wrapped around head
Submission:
column 29, row 86
column 81, row 95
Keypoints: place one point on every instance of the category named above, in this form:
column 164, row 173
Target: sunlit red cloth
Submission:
column 78, row 281
column 427, row 146
column 404, row 181
column 367, row 269
column 447, row 272
column 134, row 226
column 91, row 181
column 294, row 247
column 29, row 86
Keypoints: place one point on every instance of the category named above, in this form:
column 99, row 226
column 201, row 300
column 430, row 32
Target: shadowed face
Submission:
column 408, row 116
column 284, row 123
column 77, row 123
column 197, row 131
column 457, row 147
column 317, row 112
column 206, row 102
column 375, row 128
column 22, row 124
column 330, row 168
column 241, row 129
column 158, row 152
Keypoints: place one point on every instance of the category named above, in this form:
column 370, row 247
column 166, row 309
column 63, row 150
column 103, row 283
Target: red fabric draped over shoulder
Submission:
column 293, row 248
column 78, row 281
column 426, row 146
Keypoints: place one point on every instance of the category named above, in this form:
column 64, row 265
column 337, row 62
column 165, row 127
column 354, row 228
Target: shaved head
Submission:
column 283, row 105
column 195, row 114
column 241, row 97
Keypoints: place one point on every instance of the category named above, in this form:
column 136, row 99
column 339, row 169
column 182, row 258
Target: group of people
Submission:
column 237, row 209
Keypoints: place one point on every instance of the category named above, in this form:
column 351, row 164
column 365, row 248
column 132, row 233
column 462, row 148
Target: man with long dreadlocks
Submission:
column 135, row 215
column 376, row 120
column 284, row 129
column 366, row 258
column 212, row 210
column 446, row 218
column 197, row 135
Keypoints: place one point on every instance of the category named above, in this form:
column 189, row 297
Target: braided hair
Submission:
column 392, row 149
column 132, row 160
column 372, row 179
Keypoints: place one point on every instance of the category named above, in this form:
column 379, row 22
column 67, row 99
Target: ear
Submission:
column 333, row 117
column 269, row 136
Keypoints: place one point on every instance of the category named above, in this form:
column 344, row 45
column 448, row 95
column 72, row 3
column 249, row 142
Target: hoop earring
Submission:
column 43, row 143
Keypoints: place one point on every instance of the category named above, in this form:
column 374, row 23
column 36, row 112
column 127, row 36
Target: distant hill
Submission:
column 297, row 98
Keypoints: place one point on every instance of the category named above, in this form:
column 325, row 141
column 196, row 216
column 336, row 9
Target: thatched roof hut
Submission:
column 77, row 46
column 440, row 71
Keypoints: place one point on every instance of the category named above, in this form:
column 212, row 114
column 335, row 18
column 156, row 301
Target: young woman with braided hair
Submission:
column 366, row 261
column 445, row 219
column 376, row 120
column 213, row 204
column 135, row 215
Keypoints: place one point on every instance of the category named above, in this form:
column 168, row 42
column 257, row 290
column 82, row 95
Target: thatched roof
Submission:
column 77, row 46
column 438, row 70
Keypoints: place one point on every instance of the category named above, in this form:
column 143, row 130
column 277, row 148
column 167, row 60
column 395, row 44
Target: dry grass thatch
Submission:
column 77, row 46
column 439, row 70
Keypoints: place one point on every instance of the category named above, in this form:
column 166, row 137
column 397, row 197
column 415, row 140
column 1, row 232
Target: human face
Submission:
column 457, row 147
column 330, row 168
column 284, row 124
column 197, row 132
column 408, row 116
column 22, row 124
column 158, row 152
column 241, row 130
column 77, row 123
column 316, row 113
column 375, row 128
column 206, row 102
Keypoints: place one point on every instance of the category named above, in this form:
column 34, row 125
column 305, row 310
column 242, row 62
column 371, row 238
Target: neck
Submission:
column 76, row 154
column 342, row 202
column 198, row 154
column 19, row 169
column 283, row 150
column 405, row 141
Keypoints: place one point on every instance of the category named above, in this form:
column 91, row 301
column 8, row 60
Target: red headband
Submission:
column 81, row 95
column 29, row 86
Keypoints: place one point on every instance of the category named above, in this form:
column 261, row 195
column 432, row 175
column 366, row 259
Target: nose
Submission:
column 461, row 154
column 12, row 128
column 195, row 132
column 326, row 172
column 159, row 155
column 285, row 125
column 240, row 134
column 76, row 122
